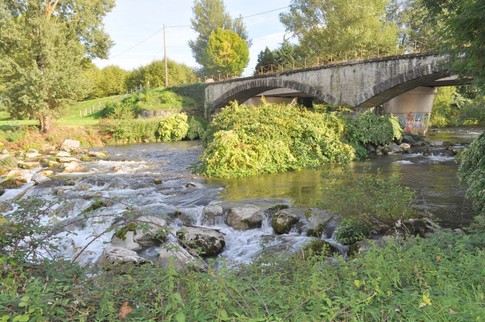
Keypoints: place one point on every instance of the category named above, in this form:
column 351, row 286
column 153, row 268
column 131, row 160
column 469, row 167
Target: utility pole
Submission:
column 165, row 56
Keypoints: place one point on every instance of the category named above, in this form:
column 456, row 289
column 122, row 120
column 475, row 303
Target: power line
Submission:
column 138, row 44
column 187, row 26
column 265, row 12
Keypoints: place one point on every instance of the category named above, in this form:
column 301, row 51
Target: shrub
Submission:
column 372, row 199
column 472, row 173
column 374, row 129
column 172, row 127
column 351, row 231
column 130, row 130
column 244, row 141
column 197, row 128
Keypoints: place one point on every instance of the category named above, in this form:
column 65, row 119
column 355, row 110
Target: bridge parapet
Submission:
column 364, row 83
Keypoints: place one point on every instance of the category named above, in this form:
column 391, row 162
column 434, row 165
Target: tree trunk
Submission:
column 45, row 122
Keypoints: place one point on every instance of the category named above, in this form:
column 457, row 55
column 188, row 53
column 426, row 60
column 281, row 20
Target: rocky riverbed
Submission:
column 141, row 204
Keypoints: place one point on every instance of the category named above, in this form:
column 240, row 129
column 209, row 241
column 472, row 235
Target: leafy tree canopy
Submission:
column 463, row 35
column 44, row 46
column 153, row 75
column 226, row 53
column 341, row 29
column 417, row 25
column 108, row 81
column 208, row 16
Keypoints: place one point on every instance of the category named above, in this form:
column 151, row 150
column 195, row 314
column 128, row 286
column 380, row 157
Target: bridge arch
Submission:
column 254, row 87
column 395, row 85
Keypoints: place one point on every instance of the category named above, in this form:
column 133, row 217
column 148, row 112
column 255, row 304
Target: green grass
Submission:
column 86, row 113
column 6, row 123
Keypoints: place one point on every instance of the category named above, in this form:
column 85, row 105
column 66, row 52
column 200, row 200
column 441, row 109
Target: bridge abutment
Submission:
column 413, row 109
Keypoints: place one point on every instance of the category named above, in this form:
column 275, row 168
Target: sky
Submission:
column 136, row 27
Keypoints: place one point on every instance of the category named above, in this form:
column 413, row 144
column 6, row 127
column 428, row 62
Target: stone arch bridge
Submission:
column 400, row 83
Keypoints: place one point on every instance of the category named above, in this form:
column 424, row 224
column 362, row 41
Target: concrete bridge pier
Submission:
column 413, row 109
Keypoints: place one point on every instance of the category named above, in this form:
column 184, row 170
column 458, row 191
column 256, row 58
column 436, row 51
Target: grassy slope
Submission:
column 78, row 114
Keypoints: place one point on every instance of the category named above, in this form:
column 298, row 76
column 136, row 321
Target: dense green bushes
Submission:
column 244, row 141
column 371, row 128
column 435, row 279
column 173, row 127
column 472, row 173
column 124, row 125
column 457, row 106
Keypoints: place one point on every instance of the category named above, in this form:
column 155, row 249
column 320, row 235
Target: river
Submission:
column 156, row 179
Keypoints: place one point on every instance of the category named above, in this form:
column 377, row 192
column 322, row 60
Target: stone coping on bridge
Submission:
column 330, row 65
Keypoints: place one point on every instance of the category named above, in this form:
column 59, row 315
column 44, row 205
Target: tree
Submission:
column 153, row 75
column 112, row 81
column 44, row 47
column 341, row 29
column 417, row 26
column 266, row 61
column 463, row 36
column 208, row 16
column 226, row 53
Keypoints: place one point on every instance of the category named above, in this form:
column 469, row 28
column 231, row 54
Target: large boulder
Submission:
column 70, row 145
column 392, row 148
column 283, row 221
column 408, row 139
column 119, row 255
column 204, row 241
column 40, row 178
column 405, row 147
column 317, row 223
column 16, row 178
column 145, row 231
column 28, row 165
column 73, row 167
column 212, row 215
column 178, row 256
column 244, row 218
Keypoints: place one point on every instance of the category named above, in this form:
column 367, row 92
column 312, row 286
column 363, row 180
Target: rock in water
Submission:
column 180, row 257
column 244, row 218
column 145, row 231
column 119, row 255
column 204, row 241
column 70, row 145
column 282, row 222
column 212, row 215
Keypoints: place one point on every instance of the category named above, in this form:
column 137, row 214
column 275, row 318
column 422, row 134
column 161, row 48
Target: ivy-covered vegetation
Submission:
column 244, row 141
column 374, row 129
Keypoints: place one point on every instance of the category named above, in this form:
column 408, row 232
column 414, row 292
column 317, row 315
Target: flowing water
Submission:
column 156, row 179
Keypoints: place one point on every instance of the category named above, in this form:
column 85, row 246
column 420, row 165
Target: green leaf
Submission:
column 180, row 317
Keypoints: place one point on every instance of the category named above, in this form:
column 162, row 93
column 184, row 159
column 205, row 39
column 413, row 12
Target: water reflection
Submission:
column 433, row 178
